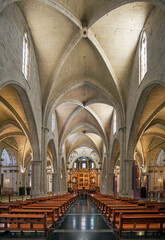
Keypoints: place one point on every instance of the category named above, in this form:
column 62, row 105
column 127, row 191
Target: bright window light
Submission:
column 114, row 122
column 143, row 55
column 84, row 165
column 25, row 56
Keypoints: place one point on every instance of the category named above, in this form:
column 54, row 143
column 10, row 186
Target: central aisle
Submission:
column 83, row 222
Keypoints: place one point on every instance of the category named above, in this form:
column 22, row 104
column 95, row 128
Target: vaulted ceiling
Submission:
column 85, row 50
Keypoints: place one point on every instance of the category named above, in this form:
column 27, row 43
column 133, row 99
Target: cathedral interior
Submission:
column 82, row 97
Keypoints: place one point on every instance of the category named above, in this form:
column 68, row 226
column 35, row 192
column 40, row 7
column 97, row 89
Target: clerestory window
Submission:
column 25, row 55
column 143, row 56
column 114, row 122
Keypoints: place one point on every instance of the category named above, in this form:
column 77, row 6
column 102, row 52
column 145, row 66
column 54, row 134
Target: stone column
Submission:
column 23, row 180
column 36, row 178
column 109, row 176
column 63, row 185
column 44, row 162
column 128, row 177
column 55, row 183
column 122, row 132
column 110, row 183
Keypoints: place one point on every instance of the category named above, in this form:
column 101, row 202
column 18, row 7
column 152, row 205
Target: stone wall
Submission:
column 155, row 30
column 12, row 29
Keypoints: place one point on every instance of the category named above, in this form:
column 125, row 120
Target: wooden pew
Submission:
column 129, row 212
column 55, row 209
column 60, row 206
column 108, row 207
column 49, row 212
column 13, row 204
column 24, row 222
column 121, row 208
column 4, row 209
column 138, row 222
column 161, row 207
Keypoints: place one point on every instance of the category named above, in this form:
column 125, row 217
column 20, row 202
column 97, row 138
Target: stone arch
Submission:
column 10, row 160
column 81, row 155
column 31, row 121
column 51, row 166
column 115, row 153
column 161, row 158
column 104, row 167
column 63, row 175
column 63, row 168
column 109, row 99
column 52, row 149
column 133, row 133
column 115, row 4
column 29, row 129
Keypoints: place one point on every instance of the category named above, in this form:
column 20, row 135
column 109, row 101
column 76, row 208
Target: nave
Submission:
column 83, row 222
column 79, row 218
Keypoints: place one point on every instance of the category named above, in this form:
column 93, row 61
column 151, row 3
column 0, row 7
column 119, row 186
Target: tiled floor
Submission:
column 83, row 222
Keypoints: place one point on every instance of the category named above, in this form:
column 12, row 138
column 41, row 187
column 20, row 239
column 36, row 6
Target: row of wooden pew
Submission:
column 39, row 214
column 125, row 214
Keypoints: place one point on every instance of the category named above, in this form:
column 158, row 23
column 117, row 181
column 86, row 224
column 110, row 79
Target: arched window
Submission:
column 114, row 122
column 161, row 158
column 6, row 158
column 92, row 165
column 25, row 55
column 143, row 55
column 9, row 158
column 75, row 165
column 53, row 121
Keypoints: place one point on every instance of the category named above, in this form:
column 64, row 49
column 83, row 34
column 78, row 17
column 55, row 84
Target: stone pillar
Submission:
column 23, row 180
column 44, row 162
column 55, row 183
column 128, row 177
column 36, row 178
column 104, row 176
column 109, row 176
column 63, row 185
column 110, row 183
column 104, row 184
column 122, row 132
